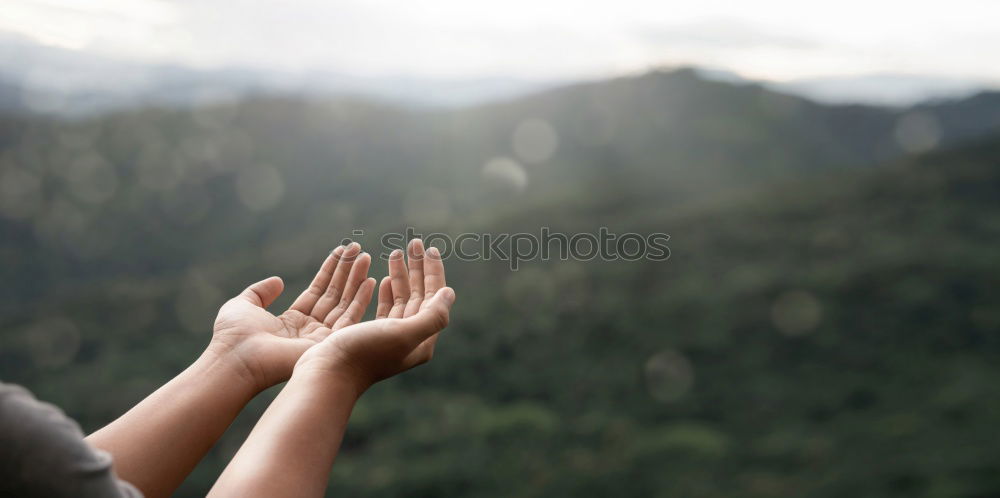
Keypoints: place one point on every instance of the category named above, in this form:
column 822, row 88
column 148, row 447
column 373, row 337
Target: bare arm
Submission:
column 293, row 446
column 156, row 444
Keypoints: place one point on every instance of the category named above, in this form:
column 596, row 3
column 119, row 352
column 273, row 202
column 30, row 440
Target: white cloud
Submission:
column 775, row 39
column 79, row 25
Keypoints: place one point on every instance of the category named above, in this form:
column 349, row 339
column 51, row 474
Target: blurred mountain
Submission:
column 119, row 188
column 883, row 89
column 63, row 82
column 11, row 99
column 826, row 325
column 878, row 89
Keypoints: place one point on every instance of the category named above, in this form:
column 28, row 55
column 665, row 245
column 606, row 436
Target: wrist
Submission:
column 332, row 373
column 223, row 362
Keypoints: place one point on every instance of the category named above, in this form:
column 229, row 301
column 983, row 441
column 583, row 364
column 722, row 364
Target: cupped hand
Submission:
column 413, row 308
column 267, row 346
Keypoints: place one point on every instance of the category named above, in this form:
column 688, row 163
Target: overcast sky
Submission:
column 539, row 39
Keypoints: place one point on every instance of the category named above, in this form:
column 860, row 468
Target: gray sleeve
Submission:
column 42, row 453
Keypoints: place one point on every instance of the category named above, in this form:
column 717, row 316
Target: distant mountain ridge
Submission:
column 877, row 283
column 826, row 325
column 49, row 80
column 672, row 136
column 878, row 89
column 884, row 89
column 54, row 81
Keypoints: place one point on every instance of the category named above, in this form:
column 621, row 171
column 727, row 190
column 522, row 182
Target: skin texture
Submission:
column 158, row 442
column 292, row 447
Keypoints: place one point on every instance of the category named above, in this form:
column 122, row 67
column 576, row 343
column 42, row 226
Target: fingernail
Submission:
column 434, row 253
column 396, row 254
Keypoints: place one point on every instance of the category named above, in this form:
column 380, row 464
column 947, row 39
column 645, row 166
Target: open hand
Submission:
column 267, row 345
column 413, row 307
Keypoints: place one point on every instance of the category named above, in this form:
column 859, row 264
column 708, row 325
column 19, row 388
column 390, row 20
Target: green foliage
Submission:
column 823, row 328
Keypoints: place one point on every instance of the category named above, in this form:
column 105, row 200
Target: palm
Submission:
column 269, row 345
column 411, row 311
column 242, row 321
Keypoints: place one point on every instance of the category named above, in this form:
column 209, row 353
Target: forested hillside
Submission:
column 826, row 325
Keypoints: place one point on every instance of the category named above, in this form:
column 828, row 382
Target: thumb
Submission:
column 263, row 293
column 433, row 316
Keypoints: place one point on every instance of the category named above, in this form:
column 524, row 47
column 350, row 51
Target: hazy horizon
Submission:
column 75, row 82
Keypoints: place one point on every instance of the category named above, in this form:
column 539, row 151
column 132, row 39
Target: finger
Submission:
column 263, row 293
column 416, row 270
column 356, row 310
column 359, row 273
column 400, row 284
column 305, row 302
column 331, row 296
column 432, row 318
column 426, row 348
column 384, row 298
column 433, row 272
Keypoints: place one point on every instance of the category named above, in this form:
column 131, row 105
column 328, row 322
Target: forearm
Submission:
column 293, row 446
column 157, row 443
